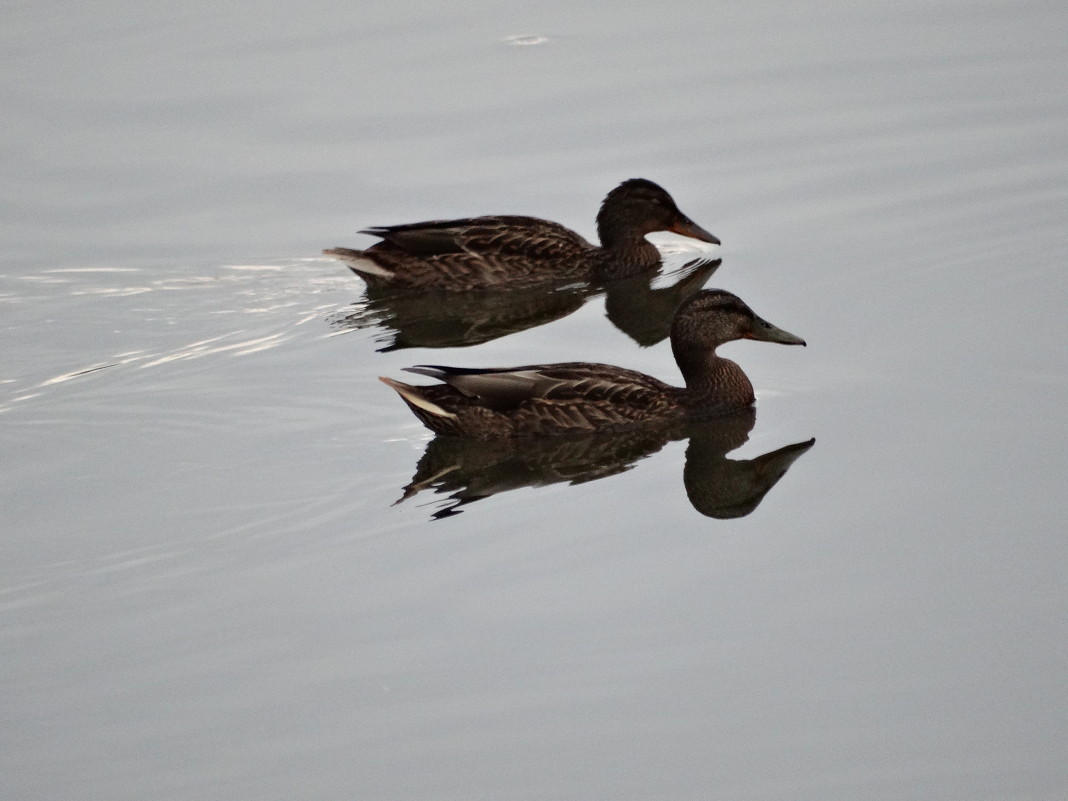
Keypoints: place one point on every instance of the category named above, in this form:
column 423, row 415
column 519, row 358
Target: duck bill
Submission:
column 687, row 227
column 766, row 332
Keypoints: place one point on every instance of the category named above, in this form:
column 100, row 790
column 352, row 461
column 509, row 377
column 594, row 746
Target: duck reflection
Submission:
column 644, row 312
column 725, row 488
column 469, row 470
column 441, row 319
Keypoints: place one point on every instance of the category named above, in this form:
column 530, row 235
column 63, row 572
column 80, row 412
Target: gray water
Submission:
column 207, row 590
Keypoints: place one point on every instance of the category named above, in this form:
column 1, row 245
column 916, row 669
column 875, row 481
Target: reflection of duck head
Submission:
column 469, row 469
column 724, row 488
column 644, row 313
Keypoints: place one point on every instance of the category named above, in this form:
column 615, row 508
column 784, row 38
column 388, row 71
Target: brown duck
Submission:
column 544, row 399
column 499, row 252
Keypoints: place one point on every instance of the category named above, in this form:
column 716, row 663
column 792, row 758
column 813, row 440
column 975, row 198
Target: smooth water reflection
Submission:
column 639, row 306
column 470, row 470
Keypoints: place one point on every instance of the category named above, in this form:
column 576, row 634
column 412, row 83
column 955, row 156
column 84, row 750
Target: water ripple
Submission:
column 151, row 324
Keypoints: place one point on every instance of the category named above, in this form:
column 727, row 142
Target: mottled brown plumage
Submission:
column 575, row 396
column 498, row 252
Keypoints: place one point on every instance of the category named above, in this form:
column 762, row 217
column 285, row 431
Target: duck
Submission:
column 575, row 397
column 505, row 251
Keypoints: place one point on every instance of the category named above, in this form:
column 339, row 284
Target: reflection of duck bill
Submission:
column 724, row 488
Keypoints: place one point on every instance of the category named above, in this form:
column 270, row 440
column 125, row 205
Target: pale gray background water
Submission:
column 205, row 590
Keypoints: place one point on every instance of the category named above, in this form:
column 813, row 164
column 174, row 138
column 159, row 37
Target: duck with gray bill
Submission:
column 545, row 399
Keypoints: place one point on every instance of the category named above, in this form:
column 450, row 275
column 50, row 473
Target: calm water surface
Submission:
column 207, row 589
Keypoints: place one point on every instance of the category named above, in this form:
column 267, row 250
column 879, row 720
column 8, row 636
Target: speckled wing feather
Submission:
column 568, row 382
column 504, row 235
column 479, row 253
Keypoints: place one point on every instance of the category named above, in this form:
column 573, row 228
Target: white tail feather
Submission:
column 413, row 398
column 360, row 263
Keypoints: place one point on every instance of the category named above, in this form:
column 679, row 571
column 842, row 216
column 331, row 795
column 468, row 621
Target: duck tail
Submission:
column 360, row 263
column 422, row 407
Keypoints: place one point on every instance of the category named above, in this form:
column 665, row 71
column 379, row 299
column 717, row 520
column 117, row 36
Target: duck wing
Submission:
column 500, row 235
column 502, row 389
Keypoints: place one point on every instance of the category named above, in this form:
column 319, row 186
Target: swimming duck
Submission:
column 546, row 399
column 499, row 252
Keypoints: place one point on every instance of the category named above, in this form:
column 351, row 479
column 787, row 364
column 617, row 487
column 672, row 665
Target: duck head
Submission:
column 638, row 207
column 712, row 317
